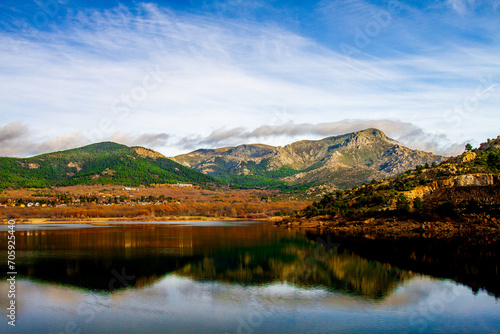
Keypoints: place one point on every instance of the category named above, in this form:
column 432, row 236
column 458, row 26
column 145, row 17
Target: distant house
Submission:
column 183, row 185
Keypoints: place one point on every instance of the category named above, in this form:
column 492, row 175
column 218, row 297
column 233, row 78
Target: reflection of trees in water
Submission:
column 474, row 263
column 249, row 256
column 97, row 273
column 303, row 263
column 293, row 260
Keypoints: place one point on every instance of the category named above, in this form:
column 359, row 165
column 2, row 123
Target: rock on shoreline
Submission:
column 372, row 228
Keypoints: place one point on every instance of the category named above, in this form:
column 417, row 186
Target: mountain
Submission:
column 341, row 161
column 462, row 187
column 102, row 163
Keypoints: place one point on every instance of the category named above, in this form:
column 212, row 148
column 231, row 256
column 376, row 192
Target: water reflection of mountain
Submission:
column 247, row 266
column 474, row 263
column 260, row 254
column 251, row 255
column 299, row 262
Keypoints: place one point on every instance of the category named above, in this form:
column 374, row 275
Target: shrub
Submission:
column 418, row 204
column 494, row 160
column 378, row 200
column 402, row 204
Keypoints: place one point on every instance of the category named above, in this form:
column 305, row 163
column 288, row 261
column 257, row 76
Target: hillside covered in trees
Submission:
column 102, row 163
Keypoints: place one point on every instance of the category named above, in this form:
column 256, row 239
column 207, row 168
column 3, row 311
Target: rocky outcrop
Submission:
column 147, row 153
column 74, row 165
column 489, row 145
column 467, row 180
column 466, row 157
column 474, row 180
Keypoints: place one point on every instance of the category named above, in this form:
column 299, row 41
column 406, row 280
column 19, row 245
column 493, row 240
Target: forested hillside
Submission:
column 102, row 163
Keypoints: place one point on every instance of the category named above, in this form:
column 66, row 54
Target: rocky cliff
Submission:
column 340, row 161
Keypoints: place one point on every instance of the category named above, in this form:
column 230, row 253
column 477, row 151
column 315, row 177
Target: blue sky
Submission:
column 180, row 75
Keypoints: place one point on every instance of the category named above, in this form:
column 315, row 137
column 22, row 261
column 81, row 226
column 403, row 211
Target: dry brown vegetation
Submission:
column 112, row 201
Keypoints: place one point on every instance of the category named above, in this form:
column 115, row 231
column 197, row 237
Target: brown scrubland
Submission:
column 143, row 203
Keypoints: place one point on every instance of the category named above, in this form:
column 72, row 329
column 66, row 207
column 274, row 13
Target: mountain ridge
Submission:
column 360, row 156
column 337, row 161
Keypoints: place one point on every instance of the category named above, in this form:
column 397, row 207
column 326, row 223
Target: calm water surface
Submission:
column 244, row 277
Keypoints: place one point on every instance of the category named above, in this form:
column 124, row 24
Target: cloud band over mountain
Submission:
column 17, row 139
column 407, row 133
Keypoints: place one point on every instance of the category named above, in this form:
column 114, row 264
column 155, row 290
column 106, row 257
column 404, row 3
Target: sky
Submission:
column 176, row 76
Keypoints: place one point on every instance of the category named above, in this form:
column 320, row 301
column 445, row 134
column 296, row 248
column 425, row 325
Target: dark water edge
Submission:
column 472, row 262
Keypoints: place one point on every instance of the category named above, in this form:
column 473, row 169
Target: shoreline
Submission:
column 370, row 228
column 78, row 221
column 393, row 228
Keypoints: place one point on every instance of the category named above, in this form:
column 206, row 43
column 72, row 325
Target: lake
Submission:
column 245, row 277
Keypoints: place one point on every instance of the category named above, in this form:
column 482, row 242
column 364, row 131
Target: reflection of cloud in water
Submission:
column 420, row 289
column 182, row 301
column 175, row 289
column 31, row 295
column 416, row 290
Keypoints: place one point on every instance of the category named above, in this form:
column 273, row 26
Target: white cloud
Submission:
column 19, row 140
column 460, row 6
column 407, row 133
column 463, row 7
column 228, row 74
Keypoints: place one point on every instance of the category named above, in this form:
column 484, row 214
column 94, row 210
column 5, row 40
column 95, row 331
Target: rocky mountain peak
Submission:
column 366, row 137
column 342, row 161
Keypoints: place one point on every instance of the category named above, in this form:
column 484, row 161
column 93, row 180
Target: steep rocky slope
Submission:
column 341, row 161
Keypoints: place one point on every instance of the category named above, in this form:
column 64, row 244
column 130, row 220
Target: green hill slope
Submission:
column 102, row 163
